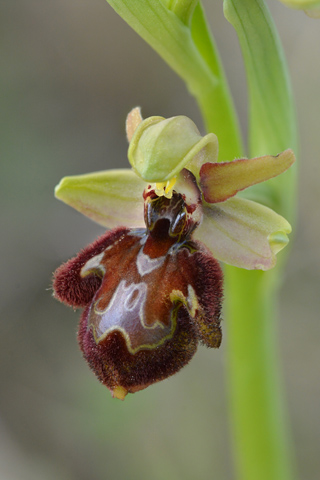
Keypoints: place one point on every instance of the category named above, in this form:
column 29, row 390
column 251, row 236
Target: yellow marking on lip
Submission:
column 122, row 289
column 147, row 346
column 113, row 300
column 191, row 302
column 93, row 266
column 176, row 297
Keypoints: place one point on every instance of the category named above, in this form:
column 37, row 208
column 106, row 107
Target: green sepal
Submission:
column 160, row 148
column 111, row 198
column 243, row 233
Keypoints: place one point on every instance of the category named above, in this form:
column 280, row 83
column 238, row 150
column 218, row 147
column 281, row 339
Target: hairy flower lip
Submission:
column 146, row 309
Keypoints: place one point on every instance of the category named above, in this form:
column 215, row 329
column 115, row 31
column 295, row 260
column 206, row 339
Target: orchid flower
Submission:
column 151, row 287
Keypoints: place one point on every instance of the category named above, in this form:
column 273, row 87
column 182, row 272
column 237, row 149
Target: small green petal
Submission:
column 111, row 198
column 220, row 181
column 243, row 233
column 160, row 148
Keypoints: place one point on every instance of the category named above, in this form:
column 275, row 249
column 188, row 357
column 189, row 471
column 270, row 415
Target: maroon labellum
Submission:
column 150, row 296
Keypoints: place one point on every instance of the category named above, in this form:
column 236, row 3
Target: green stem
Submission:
column 272, row 120
column 261, row 442
column 216, row 103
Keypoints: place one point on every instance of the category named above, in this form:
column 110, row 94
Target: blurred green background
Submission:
column 70, row 72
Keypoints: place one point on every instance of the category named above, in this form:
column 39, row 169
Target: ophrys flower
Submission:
column 152, row 286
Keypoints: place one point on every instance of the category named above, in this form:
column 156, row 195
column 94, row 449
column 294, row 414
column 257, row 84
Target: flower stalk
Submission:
column 261, row 438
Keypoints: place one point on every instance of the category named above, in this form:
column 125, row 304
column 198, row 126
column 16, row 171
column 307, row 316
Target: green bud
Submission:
column 160, row 148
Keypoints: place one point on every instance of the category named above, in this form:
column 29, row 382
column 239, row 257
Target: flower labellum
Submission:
column 151, row 287
column 149, row 296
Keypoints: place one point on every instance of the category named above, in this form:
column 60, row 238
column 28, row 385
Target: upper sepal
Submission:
column 243, row 233
column 220, row 181
column 110, row 198
column 160, row 148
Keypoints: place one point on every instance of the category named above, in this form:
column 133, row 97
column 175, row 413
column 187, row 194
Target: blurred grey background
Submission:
column 70, row 72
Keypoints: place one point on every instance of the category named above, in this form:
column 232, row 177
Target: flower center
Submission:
column 165, row 188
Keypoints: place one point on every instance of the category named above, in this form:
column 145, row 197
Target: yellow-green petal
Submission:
column 111, row 198
column 220, row 181
column 160, row 148
column 243, row 233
